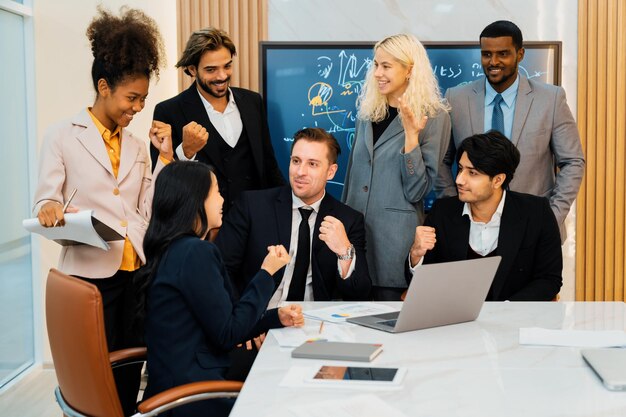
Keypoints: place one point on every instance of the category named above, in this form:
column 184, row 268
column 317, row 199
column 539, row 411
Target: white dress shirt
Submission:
column 280, row 295
column 228, row 124
column 483, row 237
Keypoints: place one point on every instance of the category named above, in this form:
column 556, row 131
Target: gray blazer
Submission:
column 388, row 186
column 544, row 131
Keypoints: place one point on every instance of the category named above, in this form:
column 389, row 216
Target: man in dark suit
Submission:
column 533, row 115
column 486, row 220
column 326, row 238
column 222, row 126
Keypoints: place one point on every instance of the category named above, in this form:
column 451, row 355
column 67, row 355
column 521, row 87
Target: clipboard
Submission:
column 80, row 228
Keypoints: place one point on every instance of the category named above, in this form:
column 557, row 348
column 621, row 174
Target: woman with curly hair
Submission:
column 402, row 133
column 94, row 154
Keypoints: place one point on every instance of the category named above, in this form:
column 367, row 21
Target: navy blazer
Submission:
column 187, row 107
column 529, row 243
column 263, row 218
column 193, row 320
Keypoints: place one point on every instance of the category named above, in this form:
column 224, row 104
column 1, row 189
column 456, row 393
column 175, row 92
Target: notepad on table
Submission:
column 339, row 351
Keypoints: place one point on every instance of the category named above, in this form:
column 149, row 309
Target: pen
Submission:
column 66, row 205
column 321, row 327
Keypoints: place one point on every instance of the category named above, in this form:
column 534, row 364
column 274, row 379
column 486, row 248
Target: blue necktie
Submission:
column 497, row 119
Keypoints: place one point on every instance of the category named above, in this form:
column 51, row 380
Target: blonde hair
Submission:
column 422, row 93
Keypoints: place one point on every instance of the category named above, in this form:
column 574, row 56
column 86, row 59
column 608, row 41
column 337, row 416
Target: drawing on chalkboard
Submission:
column 317, row 84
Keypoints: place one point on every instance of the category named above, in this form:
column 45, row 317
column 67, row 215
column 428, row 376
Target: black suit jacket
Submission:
column 263, row 218
column 529, row 243
column 187, row 107
column 193, row 320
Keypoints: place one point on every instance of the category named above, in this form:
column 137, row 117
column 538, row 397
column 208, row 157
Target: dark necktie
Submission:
column 497, row 119
column 303, row 256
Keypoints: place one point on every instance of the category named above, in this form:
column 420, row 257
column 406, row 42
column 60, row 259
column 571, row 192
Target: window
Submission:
column 16, row 278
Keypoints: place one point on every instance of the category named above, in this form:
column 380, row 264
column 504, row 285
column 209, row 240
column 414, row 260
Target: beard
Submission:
column 210, row 89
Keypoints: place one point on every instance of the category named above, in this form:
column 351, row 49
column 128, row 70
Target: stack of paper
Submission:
column 339, row 313
column 576, row 338
column 295, row 336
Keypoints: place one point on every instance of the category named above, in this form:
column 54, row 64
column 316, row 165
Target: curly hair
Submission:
column 422, row 92
column 123, row 46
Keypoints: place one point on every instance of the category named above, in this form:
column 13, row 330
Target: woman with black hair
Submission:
column 94, row 154
column 192, row 318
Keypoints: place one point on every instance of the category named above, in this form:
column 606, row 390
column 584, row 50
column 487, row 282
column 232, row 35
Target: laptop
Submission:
column 439, row 294
column 609, row 365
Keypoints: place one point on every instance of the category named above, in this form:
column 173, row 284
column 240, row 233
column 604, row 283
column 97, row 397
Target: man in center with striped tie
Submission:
column 325, row 238
column 533, row 115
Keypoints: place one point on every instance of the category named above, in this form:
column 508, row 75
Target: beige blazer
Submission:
column 73, row 155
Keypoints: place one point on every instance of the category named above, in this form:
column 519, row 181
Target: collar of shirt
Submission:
column 496, row 216
column 483, row 237
column 104, row 131
column 228, row 124
column 296, row 203
column 230, row 107
column 509, row 95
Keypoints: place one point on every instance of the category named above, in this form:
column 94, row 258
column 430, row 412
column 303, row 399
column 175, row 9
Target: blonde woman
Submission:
column 402, row 133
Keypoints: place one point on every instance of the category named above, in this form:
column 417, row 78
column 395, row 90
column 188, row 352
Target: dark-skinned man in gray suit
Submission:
column 533, row 115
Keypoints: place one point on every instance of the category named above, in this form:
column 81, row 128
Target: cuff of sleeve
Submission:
column 181, row 155
column 350, row 270
column 412, row 268
column 163, row 160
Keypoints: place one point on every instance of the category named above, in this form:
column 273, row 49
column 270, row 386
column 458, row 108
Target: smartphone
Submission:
column 359, row 375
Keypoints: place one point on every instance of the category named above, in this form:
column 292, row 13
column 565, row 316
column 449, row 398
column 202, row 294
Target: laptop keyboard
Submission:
column 390, row 323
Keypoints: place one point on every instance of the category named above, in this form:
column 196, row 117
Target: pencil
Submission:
column 321, row 327
column 66, row 205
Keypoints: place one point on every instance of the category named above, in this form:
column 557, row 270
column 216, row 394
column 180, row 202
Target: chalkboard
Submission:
column 316, row 84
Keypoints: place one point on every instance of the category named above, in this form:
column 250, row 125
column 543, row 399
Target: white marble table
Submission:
column 470, row 369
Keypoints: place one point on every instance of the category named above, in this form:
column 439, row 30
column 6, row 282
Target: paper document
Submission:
column 364, row 405
column 575, row 338
column 80, row 228
column 339, row 313
column 295, row 336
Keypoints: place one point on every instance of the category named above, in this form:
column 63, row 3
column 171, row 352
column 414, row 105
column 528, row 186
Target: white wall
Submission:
column 438, row 20
column 63, row 86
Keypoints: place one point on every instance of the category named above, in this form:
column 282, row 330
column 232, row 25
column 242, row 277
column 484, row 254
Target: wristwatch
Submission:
column 348, row 255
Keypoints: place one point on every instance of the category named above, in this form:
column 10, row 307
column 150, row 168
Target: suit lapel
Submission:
column 283, row 215
column 250, row 120
column 394, row 129
column 326, row 209
column 129, row 151
column 367, row 137
column 512, row 225
column 459, row 231
column 522, row 106
column 476, row 105
column 91, row 139
column 195, row 110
